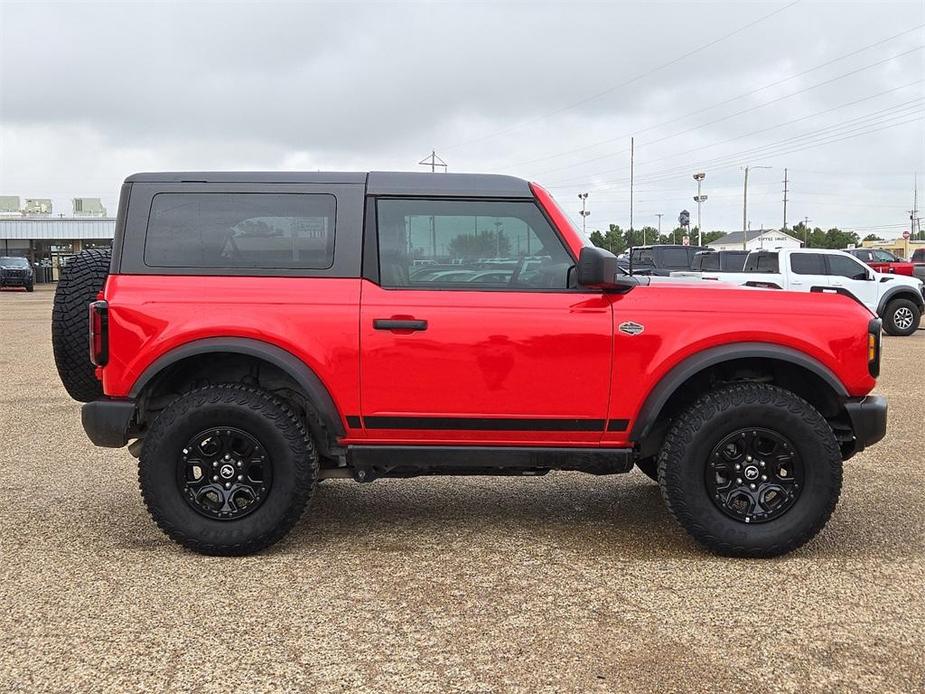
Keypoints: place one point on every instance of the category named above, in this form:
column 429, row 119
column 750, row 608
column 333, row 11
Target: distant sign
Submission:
column 686, row 240
column 906, row 235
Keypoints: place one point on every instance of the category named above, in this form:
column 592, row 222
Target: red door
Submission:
column 470, row 332
column 529, row 368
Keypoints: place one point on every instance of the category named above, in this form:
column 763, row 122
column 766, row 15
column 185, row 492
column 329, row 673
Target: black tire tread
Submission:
column 81, row 280
column 889, row 326
column 260, row 402
column 714, row 404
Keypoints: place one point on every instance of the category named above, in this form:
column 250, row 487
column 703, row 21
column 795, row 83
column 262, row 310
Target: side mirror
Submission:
column 598, row 269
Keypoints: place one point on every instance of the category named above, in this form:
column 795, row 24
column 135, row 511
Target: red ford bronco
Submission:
column 252, row 334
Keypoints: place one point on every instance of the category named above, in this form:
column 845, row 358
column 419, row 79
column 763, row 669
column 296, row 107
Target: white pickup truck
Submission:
column 898, row 300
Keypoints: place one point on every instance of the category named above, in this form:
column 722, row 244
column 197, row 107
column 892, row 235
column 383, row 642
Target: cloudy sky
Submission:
column 833, row 91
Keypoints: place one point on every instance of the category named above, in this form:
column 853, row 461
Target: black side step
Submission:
column 370, row 462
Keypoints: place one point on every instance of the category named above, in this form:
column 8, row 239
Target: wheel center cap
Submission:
column 751, row 472
column 226, row 471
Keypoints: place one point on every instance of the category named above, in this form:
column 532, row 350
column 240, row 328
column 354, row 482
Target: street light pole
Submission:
column 745, row 207
column 699, row 199
column 659, row 215
column 584, row 213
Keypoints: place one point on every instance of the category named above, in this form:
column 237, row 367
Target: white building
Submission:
column 756, row 240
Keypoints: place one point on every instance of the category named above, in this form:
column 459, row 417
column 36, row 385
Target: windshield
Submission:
column 8, row 261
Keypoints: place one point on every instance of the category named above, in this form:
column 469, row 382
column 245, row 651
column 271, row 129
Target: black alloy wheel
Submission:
column 754, row 475
column 224, row 473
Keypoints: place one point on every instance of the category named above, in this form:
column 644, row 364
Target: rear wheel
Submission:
column 901, row 317
column 751, row 470
column 227, row 469
column 81, row 280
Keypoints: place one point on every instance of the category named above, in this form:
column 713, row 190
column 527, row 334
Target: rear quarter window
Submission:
column 762, row 262
column 241, row 230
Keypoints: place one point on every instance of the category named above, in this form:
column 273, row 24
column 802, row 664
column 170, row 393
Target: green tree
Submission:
column 484, row 244
column 872, row 237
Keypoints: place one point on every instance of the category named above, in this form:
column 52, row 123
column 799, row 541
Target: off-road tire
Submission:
column 284, row 438
column 889, row 317
column 683, row 459
column 649, row 467
column 81, row 280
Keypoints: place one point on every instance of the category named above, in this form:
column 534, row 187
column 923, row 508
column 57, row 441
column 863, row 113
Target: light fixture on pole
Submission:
column 699, row 199
column 584, row 212
column 745, row 207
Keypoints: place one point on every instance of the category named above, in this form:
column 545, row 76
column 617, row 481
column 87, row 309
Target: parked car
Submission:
column 898, row 300
column 16, row 272
column 662, row 259
column 333, row 363
column 882, row 261
column 918, row 263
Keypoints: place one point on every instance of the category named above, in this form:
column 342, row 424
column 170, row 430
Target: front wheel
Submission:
column 901, row 317
column 227, row 469
column 751, row 470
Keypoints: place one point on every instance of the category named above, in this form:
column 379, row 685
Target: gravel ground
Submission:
column 561, row 583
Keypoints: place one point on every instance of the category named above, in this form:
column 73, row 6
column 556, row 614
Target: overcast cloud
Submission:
column 90, row 93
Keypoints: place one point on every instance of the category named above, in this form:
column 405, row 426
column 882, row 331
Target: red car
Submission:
column 252, row 334
column 883, row 261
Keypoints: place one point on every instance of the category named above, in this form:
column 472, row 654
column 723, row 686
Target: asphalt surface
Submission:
column 562, row 583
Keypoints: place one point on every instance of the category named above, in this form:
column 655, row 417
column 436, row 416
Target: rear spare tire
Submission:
column 81, row 280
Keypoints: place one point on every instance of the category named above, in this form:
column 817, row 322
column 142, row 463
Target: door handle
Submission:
column 399, row 324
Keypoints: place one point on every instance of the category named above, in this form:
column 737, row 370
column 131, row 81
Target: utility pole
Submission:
column 584, row 213
column 806, row 221
column 659, row 215
column 914, row 212
column 699, row 199
column 632, row 156
column 433, row 161
column 785, row 199
column 745, row 207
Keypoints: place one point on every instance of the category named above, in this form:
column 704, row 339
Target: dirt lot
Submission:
column 562, row 583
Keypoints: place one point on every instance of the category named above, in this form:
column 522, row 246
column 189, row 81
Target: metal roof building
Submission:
column 56, row 228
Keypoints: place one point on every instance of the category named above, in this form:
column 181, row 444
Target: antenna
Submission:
column 433, row 161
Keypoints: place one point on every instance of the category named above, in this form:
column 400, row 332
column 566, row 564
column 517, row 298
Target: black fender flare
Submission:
column 680, row 373
column 900, row 292
column 300, row 372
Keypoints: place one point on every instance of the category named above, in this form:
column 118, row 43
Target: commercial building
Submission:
column 32, row 231
column 756, row 240
column 901, row 248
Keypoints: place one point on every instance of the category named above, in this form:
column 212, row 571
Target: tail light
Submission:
column 99, row 333
column 873, row 347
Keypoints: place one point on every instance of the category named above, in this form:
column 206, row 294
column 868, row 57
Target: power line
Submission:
column 772, row 149
column 723, row 103
column 625, row 83
column 751, row 108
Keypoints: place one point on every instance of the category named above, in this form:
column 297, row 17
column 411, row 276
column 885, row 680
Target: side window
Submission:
column 468, row 244
column 846, row 266
column 709, row 261
column 643, row 256
column 761, row 262
column 807, row 263
column 241, row 230
column 676, row 258
column 885, row 257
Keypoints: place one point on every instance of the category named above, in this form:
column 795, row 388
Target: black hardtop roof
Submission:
column 377, row 182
